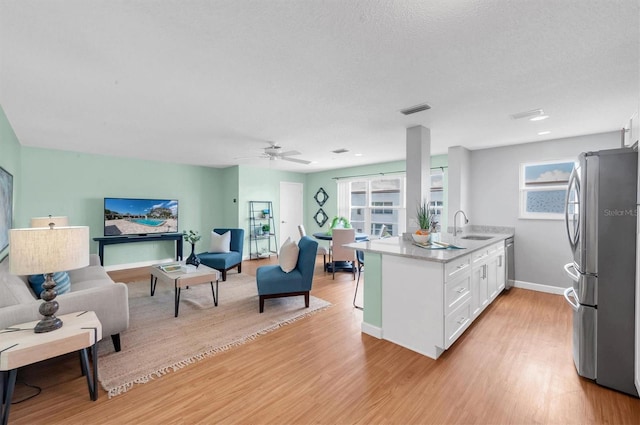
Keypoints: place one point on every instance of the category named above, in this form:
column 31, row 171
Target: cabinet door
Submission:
column 501, row 275
column 479, row 293
column 492, row 277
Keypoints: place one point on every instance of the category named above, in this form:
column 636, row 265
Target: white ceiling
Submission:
column 206, row 82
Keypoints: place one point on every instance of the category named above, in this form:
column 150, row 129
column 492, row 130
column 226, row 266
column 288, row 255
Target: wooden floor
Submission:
column 512, row 366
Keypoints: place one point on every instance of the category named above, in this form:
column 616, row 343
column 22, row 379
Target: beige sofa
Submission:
column 91, row 289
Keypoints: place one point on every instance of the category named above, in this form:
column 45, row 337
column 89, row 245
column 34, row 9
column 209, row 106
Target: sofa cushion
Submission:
column 220, row 243
column 63, row 283
column 13, row 290
column 88, row 273
column 288, row 256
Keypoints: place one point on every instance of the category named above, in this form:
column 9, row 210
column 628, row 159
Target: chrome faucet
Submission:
column 455, row 220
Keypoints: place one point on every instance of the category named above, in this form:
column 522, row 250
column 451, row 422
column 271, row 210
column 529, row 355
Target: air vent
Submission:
column 343, row 150
column 414, row 109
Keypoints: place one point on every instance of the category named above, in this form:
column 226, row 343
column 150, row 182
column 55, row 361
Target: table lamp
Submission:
column 60, row 221
column 46, row 250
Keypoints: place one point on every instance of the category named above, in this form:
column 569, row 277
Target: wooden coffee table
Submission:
column 203, row 274
column 21, row 346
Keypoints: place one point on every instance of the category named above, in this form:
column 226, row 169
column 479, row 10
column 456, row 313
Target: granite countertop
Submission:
column 405, row 248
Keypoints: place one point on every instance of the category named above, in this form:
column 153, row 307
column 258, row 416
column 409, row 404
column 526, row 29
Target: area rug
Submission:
column 157, row 342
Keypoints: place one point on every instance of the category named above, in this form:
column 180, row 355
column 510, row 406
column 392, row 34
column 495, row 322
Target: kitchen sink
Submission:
column 476, row 237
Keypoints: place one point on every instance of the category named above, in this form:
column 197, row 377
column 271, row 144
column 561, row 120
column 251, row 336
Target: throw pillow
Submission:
column 220, row 243
column 288, row 255
column 63, row 283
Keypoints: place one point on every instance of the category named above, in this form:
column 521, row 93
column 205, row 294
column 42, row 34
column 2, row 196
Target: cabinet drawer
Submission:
column 480, row 255
column 456, row 292
column 457, row 322
column 457, row 267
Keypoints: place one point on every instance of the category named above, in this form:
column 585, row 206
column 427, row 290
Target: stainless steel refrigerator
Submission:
column 601, row 226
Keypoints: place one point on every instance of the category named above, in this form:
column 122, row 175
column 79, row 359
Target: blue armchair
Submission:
column 274, row 283
column 224, row 261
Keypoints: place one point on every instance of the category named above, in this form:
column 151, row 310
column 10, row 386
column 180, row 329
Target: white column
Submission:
column 418, row 172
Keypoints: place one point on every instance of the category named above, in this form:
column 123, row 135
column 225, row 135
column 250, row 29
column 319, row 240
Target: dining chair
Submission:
column 360, row 260
column 322, row 250
column 339, row 253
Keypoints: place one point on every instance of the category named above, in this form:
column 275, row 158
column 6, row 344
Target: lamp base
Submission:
column 48, row 324
column 49, row 307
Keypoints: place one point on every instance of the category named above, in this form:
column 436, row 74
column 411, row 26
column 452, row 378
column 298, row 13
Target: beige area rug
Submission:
column 157, row 342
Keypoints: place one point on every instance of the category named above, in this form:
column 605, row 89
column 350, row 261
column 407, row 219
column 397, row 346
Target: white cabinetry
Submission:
column 487, row 276
column 427, row 305
column 457, row 299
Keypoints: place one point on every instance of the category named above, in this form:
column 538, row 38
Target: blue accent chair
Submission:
column 224, row 261
column 274, row 283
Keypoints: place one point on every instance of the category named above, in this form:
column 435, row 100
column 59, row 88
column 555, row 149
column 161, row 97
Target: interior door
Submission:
column 291, row 206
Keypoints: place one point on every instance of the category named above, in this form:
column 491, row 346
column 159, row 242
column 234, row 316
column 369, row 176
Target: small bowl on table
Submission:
column 421, row 239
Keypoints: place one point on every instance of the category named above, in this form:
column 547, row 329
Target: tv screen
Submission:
column 126, row 216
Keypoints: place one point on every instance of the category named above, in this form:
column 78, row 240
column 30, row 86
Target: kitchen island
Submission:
column 425, row 298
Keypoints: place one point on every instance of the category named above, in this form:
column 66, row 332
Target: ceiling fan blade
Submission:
column 299, row 161
column 288, row 153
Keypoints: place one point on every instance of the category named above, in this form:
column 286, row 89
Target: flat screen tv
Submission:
column 139, row 217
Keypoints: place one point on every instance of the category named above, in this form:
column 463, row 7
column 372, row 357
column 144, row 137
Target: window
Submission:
column 543, row 189
column 436, row 200
column 371, row 202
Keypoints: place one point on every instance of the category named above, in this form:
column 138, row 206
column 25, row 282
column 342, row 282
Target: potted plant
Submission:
column 338, row 223
column 425, row 221
column 266, row 228
column 192, row 237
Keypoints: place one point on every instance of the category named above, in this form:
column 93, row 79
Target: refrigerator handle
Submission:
column 573, row 275
column 571, row 293
column 573, row 182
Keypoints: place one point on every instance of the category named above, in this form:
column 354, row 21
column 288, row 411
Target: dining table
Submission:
column 340, row 265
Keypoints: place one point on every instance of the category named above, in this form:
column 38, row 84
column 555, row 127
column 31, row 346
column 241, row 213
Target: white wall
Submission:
column 459, row 182
column 541, row 246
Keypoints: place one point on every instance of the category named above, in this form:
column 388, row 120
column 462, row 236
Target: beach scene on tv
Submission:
column 139, row 216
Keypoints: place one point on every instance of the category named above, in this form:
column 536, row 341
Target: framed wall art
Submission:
column 6, row 207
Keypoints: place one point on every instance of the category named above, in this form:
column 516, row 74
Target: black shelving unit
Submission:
column 262, row 230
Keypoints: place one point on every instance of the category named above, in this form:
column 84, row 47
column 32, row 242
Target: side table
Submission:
column 20, row 346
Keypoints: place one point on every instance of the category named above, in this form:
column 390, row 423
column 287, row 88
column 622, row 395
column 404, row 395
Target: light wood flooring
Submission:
column 512, row 366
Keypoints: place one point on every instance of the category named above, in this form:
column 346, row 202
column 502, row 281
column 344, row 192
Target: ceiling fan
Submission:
column 274, row 152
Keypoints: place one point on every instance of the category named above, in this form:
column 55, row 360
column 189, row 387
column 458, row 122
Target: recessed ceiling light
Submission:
column 539, row 118
column 542, row 133
column 528, row 114
column 358, row 154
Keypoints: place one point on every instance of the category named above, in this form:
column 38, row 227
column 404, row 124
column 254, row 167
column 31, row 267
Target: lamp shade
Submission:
column 60, row 221
column 45, row 250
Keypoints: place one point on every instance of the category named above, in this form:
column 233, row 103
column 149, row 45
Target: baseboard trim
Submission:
column 374, row 331
column 126, row 266
column 539, row 287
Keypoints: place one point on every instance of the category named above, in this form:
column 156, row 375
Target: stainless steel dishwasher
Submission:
column 510, row 269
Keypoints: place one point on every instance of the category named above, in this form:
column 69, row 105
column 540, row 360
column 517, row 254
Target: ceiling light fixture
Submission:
column 539, row 118
column 358, row 154
column 528, row 114
column 417, row 108
column 341, row 150
column 542, row 133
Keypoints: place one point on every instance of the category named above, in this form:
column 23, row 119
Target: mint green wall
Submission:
column 262, row 184
column 10, row 161
column 326, row 180
column 74, row 184
column 373, row 290
column 228, row 201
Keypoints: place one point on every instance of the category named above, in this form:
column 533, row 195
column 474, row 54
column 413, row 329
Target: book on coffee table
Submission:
column 171, row 268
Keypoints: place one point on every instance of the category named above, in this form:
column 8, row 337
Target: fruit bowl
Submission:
column 421, row 239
